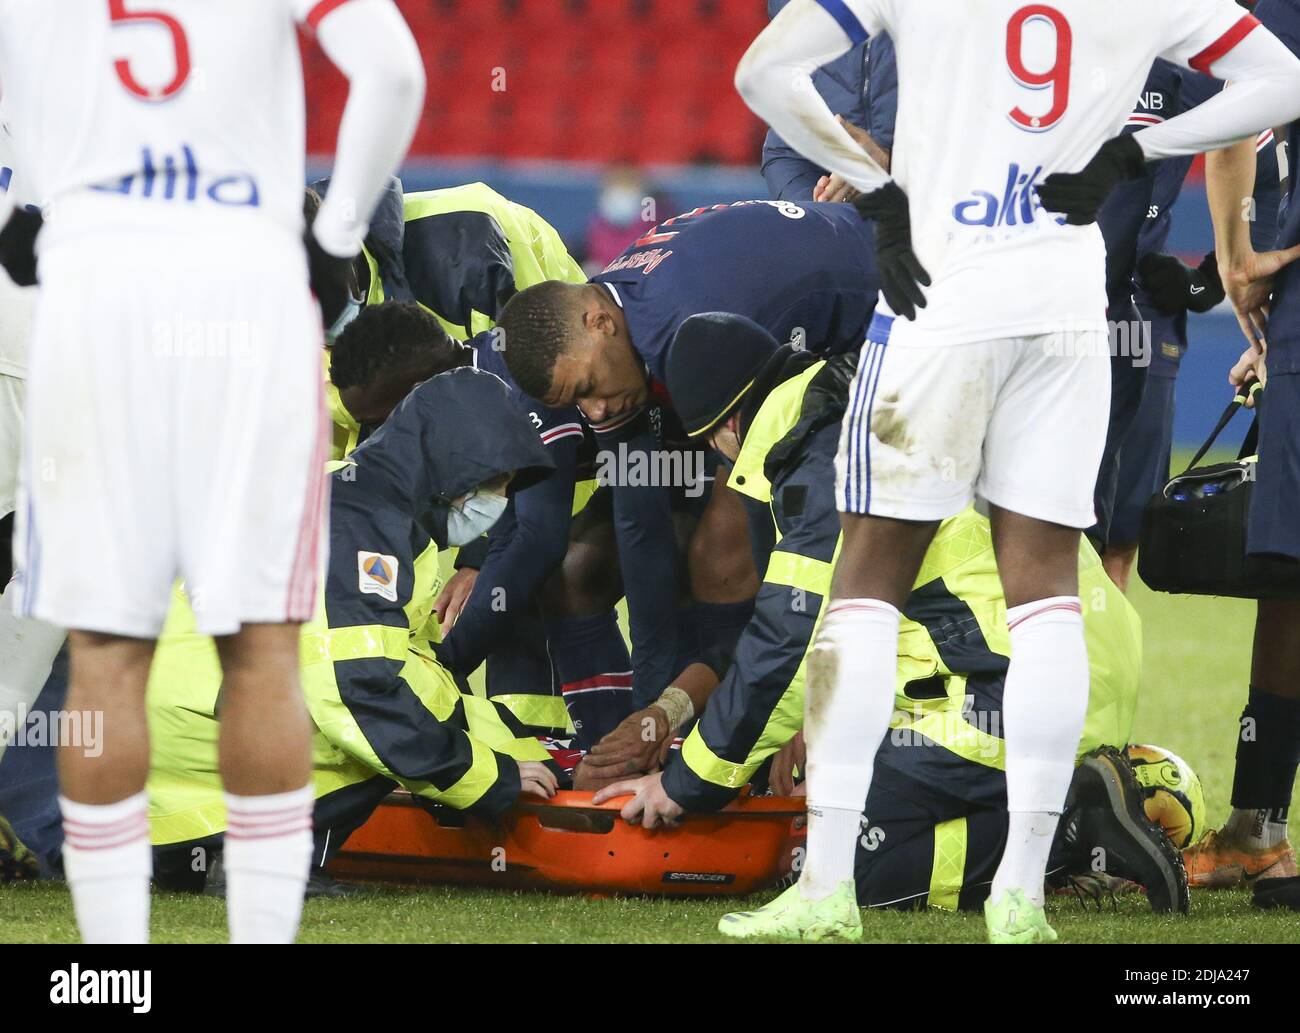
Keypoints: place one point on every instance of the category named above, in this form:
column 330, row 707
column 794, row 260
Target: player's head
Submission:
column 385, row 352
column 713, row 362
column 568, row 344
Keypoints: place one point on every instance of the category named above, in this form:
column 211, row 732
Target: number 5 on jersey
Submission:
column 119, row 15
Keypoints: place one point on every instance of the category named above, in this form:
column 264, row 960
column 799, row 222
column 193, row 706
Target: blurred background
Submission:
column 609, row 116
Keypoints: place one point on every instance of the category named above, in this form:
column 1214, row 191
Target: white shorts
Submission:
column 1020, row 423
column 176, row 428
column 16, row 307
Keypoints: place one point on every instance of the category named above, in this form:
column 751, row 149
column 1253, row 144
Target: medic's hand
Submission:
column 453, row 597
column 536, row 778
column 793, row 755
column 650, row 806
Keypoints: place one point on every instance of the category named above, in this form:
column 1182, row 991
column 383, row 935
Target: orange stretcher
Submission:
column 568, row 845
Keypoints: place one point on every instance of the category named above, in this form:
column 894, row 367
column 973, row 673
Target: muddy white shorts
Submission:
column 175, row 428
column 1020, row 423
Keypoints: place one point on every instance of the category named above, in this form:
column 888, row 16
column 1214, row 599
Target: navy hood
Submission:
column 454, row 432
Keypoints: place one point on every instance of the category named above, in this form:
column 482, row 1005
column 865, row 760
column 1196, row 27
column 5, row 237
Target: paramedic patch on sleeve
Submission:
column 377, row 575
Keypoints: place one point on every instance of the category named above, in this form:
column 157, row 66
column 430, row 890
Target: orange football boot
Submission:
column 1216, row 862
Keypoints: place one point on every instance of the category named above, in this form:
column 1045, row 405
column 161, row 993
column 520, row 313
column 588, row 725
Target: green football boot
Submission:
column 1017, row 919
column 16, row 861
column 790, row 917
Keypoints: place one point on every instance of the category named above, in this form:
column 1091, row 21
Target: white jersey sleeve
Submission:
column 775, row 79
column 1264, row 89
column 370, row 44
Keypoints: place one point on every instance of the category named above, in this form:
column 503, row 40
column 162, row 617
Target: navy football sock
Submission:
column 595, row 673
column 1268, row 752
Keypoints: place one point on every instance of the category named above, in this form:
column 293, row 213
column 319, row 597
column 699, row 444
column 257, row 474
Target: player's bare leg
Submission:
column 1046, row 691
column 106, row 852
column 1253, row 843
column 850, row 695
column 265, row 751
column 1118, row 562
column 848, row 703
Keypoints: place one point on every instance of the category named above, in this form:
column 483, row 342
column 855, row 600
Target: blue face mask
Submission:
column 348, row 314
column 475, row 516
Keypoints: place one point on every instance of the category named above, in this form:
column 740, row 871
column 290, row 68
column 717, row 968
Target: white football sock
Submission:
column 267, row 856
column 108, row 862
column 1256, row 829
column 848, row 703
column 27, row 651
column 1043, row 706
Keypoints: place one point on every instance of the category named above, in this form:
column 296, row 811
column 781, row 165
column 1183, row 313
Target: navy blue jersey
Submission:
column 552, row 424
column 1282, row 18
column 806, row 274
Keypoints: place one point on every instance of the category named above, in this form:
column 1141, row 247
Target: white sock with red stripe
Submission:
column 849, row 700
column 268, row 853
column 1043, row 706
column 108, row 863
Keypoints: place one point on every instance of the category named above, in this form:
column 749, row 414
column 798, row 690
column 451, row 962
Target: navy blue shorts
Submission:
column 1275, row 505
column 1128, row 379
column 1144, row 460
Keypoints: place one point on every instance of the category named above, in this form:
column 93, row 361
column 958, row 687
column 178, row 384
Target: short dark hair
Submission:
column 538, row 325
column 389, row 337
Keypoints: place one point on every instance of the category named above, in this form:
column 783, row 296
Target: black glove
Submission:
column 1176, row 288
column 332, row 279
column 1081, row 194
column 18, row 246
column 901, row 273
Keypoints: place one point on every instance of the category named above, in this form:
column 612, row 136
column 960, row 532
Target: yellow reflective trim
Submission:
column 788, row 568
column 486, row 725
column 949, row 869
column 582, row 493
column 953, row 732
column 366, row 640
column 773, row 421
column 709, row 766
column 536, row 711
column 476, row 781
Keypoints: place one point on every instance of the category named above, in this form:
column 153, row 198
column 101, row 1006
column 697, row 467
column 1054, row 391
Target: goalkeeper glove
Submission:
column 1080, row 195
column 1175, row 287
column 901, row 273
column 18, row 245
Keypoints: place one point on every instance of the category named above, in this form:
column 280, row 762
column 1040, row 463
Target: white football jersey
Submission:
column 153, row 108
column 995, row 95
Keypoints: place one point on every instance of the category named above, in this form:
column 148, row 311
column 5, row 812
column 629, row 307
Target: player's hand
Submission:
column 18, row 246
column 537, row 779
column 631, row 748
column 1251, row 366
column 792, row 756
column 901, row 274
column 1176, row 288
column 453, row 597
column 835, row 187
column 1248, row 282
column 650, row 806
column 1080, row 195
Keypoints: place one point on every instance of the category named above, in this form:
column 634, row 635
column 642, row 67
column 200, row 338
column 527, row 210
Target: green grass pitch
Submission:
column 1194, row 685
